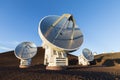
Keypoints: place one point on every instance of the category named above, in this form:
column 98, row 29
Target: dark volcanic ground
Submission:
column 104, row 67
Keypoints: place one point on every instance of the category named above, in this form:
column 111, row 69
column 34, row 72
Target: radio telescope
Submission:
column 60, row 35
column 25, row 51
column 94, row 53
column 85, row 57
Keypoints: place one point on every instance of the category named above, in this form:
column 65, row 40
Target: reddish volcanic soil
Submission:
column 104, row 67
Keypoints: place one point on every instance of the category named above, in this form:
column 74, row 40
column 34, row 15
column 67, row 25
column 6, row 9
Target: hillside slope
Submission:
column 9, row 68
column 9, row 59
column 107, row 59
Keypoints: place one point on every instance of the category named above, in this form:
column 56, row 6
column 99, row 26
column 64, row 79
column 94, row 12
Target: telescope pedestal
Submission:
column 55, row 60
column 83, row 61
column 25, row 63
column 56, row 67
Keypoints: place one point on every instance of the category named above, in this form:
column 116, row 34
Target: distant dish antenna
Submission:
column 25, row 51
column 86, row 57
column 94, row 53
column 60, row 35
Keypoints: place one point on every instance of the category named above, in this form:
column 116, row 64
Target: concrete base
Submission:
column 56, row 67
column 24, row 66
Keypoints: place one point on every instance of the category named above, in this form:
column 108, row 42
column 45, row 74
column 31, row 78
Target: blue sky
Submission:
column 99, row 20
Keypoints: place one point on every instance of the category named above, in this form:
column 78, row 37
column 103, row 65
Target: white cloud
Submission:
column 13, row 43
column 5, row 48
column 8, row 45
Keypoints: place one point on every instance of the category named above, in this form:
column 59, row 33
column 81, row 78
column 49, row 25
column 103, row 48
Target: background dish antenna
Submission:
column 60, row 35
column 86, row 57
column 94, row 53
column 25, row 51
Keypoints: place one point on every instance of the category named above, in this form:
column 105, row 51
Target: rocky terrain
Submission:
column 104, row 67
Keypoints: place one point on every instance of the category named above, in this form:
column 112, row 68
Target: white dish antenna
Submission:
column 85, row 57
column 25, row 51
column 94, row 53
column 87, row 54
column 59, row 34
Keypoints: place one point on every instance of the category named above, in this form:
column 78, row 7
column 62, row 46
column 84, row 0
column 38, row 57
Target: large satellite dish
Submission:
column 60, row 35
column 87, row 54
column 25, row 51
column 60, row 32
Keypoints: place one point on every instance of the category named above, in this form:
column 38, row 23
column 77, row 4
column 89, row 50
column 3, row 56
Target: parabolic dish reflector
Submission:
column 25, row 50
column 87, row 54
column 60, row 32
